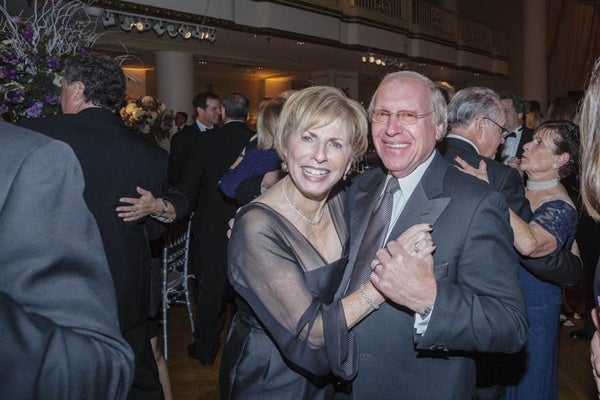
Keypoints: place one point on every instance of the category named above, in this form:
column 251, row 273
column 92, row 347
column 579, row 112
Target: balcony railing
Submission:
column 425, row 19
column 392, row 8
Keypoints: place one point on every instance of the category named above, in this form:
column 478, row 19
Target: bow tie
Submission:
column 512, row 134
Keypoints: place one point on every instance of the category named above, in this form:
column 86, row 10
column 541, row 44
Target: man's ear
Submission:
column 78, row 96
column 439, row 132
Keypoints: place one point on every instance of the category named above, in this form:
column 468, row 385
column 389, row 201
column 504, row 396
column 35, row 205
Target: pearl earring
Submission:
column 554, row 166
column 284, row 166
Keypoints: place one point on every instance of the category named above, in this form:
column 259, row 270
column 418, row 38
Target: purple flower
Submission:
column 27, row 35
column 53, row 63
column 34, row 57
column 35, row 110
column 9, row 57
column 15, row 96
column 51, row 99
column 82, row 50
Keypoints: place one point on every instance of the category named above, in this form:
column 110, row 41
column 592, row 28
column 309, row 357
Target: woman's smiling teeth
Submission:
column 314, row 172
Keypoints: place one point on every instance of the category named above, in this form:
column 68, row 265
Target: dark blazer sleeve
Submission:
column 179, row 201
column 58, row 312
column 482, row 307
column 249, row 189
column 563, row 269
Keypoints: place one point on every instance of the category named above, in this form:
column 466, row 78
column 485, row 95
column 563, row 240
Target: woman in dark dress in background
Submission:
column 287, row 253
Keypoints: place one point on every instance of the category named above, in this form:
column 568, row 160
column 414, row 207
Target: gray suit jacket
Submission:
column 58, row 312
column 479, row 305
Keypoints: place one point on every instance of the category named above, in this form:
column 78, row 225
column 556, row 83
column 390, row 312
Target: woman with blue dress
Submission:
column 551, row 156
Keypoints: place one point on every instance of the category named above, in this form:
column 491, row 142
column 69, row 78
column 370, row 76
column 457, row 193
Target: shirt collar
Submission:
column 202, row 127
column 464, row 139
column 410, row 182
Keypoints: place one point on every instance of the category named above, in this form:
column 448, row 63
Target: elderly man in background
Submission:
column 114, row 162
column 58, row 313
column 440, row 312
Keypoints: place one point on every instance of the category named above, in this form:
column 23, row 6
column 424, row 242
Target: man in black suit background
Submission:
column 518, row 133
column 58, row 313
column 114, row 162
column 475, row 130
column 208, row 113
column 210, row 157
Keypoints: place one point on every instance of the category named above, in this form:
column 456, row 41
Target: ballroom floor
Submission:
column 192, row 381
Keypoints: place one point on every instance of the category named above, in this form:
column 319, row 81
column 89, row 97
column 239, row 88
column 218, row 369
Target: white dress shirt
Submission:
column 511, row 145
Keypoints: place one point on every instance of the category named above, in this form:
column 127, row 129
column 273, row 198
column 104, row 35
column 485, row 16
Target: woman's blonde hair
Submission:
column 266, row 123
column 589, row 121
column 318, row 106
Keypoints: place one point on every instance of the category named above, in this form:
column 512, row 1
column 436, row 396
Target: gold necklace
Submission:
column 298, row 212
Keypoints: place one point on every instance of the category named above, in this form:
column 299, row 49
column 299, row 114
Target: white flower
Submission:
column 56, row 80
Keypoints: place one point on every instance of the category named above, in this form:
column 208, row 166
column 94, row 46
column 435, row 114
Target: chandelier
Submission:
column 142, row 23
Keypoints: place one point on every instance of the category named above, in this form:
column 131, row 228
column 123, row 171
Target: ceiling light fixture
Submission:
column 159, row 28
column 383, row 61
column 127, row 23
column 108, row 20
column 172, row 30
column 143, row 23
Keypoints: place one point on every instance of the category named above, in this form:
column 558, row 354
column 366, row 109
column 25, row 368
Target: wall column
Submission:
column 175, row 81
column 535, row 65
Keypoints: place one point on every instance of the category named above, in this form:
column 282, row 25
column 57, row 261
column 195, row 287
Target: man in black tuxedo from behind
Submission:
column 208, row 113
column 475, row 130
column 114, row 162
column 210, row 157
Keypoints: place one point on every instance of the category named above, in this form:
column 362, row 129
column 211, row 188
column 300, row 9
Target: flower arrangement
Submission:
column 148, row 116
column 32, row 51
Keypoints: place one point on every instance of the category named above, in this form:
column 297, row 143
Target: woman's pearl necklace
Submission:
column 541, row 185
column 298, row 212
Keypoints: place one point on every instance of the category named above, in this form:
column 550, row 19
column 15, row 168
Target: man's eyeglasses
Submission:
column 406, row 117
column 503, row 131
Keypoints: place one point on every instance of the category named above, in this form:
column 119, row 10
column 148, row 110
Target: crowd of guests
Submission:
column 436, row 275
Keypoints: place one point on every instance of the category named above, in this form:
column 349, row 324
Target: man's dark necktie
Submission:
column 374, row 236
column 512, row 134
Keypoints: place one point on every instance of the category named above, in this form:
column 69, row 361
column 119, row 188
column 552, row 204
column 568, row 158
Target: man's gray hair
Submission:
column 471, row 103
